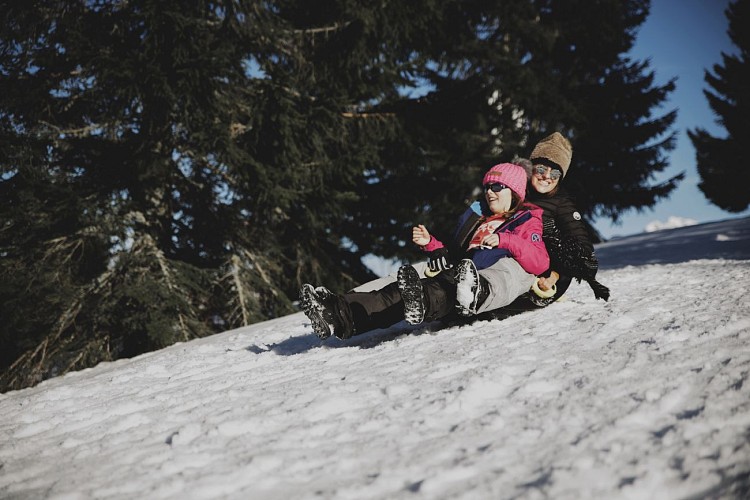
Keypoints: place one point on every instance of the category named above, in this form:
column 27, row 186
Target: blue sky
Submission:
column 682, row 38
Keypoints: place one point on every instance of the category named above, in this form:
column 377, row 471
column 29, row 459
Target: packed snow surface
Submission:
column 645, row 396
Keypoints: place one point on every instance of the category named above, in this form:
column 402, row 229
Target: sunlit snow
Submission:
column 646, row 396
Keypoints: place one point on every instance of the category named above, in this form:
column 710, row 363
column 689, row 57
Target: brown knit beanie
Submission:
column 553, row 151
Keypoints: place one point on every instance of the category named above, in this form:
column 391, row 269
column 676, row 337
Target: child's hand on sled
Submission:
column 491, row 241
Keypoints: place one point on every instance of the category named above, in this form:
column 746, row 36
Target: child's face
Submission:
column 500, row 201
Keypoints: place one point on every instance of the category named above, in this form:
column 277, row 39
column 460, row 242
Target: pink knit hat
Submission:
column 509, row 174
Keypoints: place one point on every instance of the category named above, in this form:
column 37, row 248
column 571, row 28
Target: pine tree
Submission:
column 718, row 157
column 541, row 66
column 590, row 90
column 121, row 129
column 175, row 169
column 471, row 73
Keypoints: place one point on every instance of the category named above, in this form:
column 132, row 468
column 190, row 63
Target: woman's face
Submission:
column 542, row 178
column 498, row 201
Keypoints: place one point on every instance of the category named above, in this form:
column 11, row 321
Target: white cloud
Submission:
column 671, row 223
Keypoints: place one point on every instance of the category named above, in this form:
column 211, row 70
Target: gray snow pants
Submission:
column 377, row 304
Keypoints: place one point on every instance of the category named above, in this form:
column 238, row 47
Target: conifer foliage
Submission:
column 590, row 90
column 119, row 225
column 170, row 169
column 719, row 158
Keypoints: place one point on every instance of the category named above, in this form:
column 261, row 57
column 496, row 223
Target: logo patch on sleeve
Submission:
column 576, row 216
column 535, row 237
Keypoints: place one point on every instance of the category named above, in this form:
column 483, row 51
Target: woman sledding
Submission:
column 497, row 242
column 565, row 234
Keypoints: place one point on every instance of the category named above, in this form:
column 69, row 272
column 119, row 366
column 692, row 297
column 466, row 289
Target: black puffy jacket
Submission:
column 568, row 241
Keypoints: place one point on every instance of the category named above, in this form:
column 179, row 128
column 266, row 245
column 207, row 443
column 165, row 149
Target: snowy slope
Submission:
column 646, row 396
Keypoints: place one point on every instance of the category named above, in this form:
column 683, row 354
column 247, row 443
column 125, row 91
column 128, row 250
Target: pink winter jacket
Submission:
column 520, row 238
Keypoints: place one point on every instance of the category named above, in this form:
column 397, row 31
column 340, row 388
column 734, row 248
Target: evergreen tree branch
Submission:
column 29, row 368
column 147, row 242
column 369, row 115
column 325, row 29
column 79, row 132
column 254, row 261
column 240, row 289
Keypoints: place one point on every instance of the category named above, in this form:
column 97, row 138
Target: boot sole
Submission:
column 313, row 309
column 410, row 286
column 467, row 285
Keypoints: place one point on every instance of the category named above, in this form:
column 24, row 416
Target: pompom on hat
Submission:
column 511, row 175
column 553, row 151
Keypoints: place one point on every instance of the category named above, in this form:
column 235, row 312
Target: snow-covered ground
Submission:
column 646, row 396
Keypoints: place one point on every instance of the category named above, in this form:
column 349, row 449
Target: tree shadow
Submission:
column 303, row 343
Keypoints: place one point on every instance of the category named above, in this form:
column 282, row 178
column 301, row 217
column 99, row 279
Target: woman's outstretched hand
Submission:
column 547, row 283
column 420, row 235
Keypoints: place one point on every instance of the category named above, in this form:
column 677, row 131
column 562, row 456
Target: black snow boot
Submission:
column 328, row 312
column 410, row 286
column 315, row 309
column 471, row 288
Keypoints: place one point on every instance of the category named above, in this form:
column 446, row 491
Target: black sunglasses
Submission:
column 495, row 186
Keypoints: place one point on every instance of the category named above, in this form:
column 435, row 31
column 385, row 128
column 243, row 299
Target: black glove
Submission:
column 439, row 260
column 600, row 291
